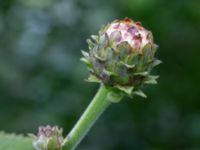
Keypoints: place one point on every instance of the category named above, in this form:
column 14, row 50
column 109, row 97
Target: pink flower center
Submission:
column 133, row 33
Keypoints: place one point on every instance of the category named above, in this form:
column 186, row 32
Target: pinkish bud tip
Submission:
column 131, row 32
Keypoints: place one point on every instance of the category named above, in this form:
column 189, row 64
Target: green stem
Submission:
column 99, row 103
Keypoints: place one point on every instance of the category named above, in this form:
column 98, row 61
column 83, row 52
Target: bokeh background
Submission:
column 42, row 78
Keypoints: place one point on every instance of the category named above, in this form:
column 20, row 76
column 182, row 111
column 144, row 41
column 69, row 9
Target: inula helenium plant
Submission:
column 120, row 58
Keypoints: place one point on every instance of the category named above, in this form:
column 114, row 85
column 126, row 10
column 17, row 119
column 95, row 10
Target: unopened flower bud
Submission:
column 48, row 138
column 122, row 57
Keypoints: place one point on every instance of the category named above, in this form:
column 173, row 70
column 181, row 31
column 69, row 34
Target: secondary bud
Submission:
column 122, row 57
column 48, row 138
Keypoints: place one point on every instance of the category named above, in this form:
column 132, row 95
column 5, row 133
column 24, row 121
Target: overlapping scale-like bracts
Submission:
column 122, row 57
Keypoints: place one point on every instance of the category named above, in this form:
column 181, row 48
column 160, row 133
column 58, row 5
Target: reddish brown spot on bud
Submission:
column 138, row 23
column 127, row 20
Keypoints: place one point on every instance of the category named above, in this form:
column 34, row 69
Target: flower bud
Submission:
column 48, row 138
column 122, row 57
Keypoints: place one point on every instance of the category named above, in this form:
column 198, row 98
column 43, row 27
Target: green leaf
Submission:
column 85, row 54
column 109, row 73
column 93, row 78
column 140, row 93
column 99, row 57
column 127, row 65
column 86, row 61
column 95, row 38
column 123, row 48
column 141, row 73
column 103, row 41
column 127, row 89
column 148, row 52
column 156, row 62
column 90, row 44
column 15, row 142
column 151, row 80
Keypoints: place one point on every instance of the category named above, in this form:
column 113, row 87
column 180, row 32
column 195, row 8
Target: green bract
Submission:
column 122, row 57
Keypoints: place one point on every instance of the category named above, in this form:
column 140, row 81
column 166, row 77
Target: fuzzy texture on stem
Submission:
column 97, row 106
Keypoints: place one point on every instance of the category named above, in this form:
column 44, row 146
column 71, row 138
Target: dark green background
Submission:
column 42, row 79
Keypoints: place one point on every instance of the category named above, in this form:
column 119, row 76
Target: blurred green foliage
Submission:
column 42, row 79
column 18, row 142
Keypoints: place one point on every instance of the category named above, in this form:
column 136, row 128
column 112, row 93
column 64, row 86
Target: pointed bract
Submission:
column 140, row 93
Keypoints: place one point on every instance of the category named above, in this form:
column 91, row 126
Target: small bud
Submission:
column 48, row 138
column 122, row 57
